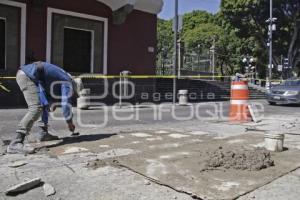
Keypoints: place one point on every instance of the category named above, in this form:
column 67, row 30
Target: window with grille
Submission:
column 77, row 50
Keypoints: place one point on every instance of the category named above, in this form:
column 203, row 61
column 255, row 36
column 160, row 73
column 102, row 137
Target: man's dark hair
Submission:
column 40, row 71
column 30, row 58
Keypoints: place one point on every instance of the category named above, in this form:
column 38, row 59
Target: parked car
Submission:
column 286, row 93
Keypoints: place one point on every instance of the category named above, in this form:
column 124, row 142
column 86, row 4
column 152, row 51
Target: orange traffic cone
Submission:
column 239, row 110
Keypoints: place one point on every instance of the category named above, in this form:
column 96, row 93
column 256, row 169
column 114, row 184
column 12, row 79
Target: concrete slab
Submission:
column 178, row 161
column 284, row 188
column 106, row 182
column 181, row 168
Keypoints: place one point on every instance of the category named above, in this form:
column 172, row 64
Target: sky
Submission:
column 188, row 6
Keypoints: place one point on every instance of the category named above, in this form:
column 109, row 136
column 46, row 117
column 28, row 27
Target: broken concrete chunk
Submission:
column 95, row 164
column 23, row 187
column 17, row 164
column 48, row 190
column 70, row 150
column 2, row 151
column 2, row 148
column 289, row 125
column 146, row 182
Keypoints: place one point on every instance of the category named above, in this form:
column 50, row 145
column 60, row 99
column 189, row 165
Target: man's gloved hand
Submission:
column 71, row 126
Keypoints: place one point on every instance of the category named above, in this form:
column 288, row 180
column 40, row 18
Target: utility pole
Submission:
column 179, row 43
column 175, row 52
column 271, row 42
column 271, row 27
column 213, row 50
column 282, row 68
column 199, row 51
column 163, row 61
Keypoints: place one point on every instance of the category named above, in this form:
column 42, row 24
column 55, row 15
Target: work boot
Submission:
column 17, row 146
column 44, row 136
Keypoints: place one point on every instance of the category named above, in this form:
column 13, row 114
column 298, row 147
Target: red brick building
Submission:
column 83, row 36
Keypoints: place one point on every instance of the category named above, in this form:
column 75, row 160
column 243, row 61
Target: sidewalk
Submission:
column 159, row 161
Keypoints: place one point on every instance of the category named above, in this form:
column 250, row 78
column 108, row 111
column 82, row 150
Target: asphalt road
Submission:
column 111, row 117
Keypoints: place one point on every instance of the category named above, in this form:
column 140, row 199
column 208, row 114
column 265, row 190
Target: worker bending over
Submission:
column 40, row 83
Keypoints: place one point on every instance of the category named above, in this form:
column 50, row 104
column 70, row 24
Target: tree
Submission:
column 248, row 17
column 165, row 35
column 202, row 34
column 194, row 19
column 199, row 28
column 228, row 48
column 164, row 41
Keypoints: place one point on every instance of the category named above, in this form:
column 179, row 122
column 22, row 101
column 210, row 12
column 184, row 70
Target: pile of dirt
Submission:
column 252, row 160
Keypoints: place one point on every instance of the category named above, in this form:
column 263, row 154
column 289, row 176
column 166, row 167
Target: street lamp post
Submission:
column 213, row 50
column 163, row 60
column 271, row 28
column 248, row 61
column 175, row 51
column 271, row 42
column 199, row 51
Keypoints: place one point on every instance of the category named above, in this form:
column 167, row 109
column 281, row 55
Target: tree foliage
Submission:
column 199, row 29
column 249, row 17
column 164, row 35
column 194, row 19
column 240, row 28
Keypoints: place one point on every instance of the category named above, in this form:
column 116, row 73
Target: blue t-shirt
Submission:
column 53, row 84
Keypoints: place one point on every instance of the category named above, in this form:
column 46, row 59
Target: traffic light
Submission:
column 286, row 63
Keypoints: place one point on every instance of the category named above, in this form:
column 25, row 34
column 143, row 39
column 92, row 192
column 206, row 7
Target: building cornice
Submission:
column 149, row 6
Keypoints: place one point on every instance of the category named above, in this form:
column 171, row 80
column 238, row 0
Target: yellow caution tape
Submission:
column 133, row 76
column 7, row 77
column 91, row 76
column 146, row 76
column 4, row 88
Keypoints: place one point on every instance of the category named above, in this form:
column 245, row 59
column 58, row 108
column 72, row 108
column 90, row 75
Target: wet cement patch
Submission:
column 253, row 160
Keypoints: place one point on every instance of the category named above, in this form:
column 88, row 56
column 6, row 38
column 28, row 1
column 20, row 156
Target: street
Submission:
column 155, row 156
column 146, row 116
